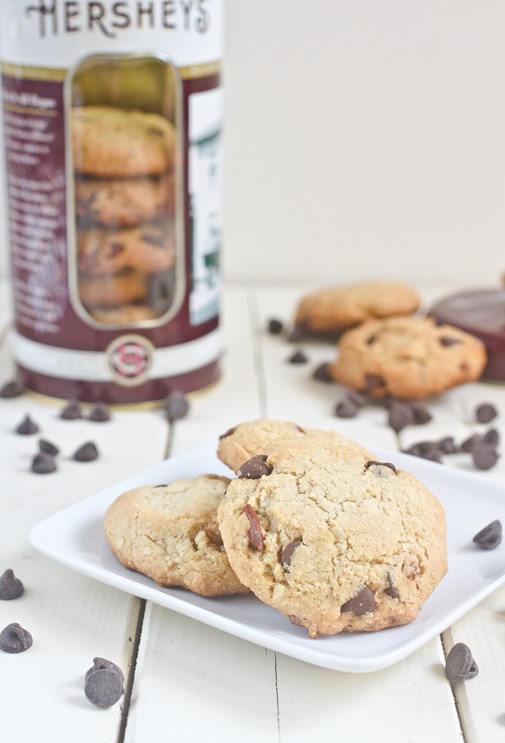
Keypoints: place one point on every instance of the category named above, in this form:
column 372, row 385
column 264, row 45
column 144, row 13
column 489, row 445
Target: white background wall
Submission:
column 364, row 138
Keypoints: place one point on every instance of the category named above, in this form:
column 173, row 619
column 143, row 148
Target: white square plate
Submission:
column 75, row 538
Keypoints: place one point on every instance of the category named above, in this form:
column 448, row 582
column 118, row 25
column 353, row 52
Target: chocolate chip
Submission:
column 421, row 413
column 104, row 686
column 71, row 411
column 275, row 327
column 459, row 664
column 255, row 532
column 373, row 382
column 400, row 415
column 88, row 452
column 27, row 427
column 255, row 467
column 296, row 334
column 425, row 450
column 447, row 341
column 355, row 398
column 346, row 409
column 322, row 374
column 491, row 437
column 362, row 603
column 447, row 445
column 287, row 553
column 391, row 590
column 15, row 639
column 298, row 357
column 485, row 413
column 490, row 536
column 48, row 448
column 377, row 468
column 468, row 444
column 484, row 456
column 99, row 663
column 43, row 463
column 99, row 413
column 10, row 586
column 12, row 389
column 176, row 405
column 227, row 433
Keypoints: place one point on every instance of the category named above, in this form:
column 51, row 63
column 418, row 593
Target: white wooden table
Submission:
column 187, row 681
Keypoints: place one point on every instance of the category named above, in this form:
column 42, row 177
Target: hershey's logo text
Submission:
column 110, row 18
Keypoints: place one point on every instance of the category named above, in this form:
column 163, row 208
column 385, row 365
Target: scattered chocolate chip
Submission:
column 15, row 639
column 322, row 374
column 425, row 450
column 255, row 532
column 485, row 413
column 104, row 683
column 400, row 415
column 10, row 586
column 12, row 389
column 298, row 357
column 27, row 427
column 346, row 409
column 255, row 467
column 484, row 455
column 48, row 448
column 490, row 536
column 459, row 664
column 491, row 437
column 391, row 590
column 421, row 413
column 377, row 468
column 287, row 553
column 355, row 398
column 176, row 405
column 362, row 603
column 71, row 411
column 275, row 327
column 43, row 464
column 88, row 452
column 468, row 444
column 447, row 445
column 99, row 413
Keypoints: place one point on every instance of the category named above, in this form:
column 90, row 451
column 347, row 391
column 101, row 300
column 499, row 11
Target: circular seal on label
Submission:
column 129, row 359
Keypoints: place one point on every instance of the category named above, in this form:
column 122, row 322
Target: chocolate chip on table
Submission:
column 491, row 437
column 485, row 413
column 321, row 373
column 355, row 397
column 71, row 411
column 255, row 532
column 362, row 603
column 298, row 357
column 346, row 408
column 99, row 413
column 103, row 683
column 15, row 639
column 12, row 389
column 27, row 427
column 426, row 450
column 255, row 467
column 10, row 586
column 447, row 445
column 490, row 536
column 275, row 326
column 176, row 405
column 400, row 415
column 484, row 455
column 88, row 452
column 43, row 463
column 459, row 664
column 48, row 448
column 421, row 413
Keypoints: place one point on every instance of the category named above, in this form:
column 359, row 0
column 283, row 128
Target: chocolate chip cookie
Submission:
column 335, row 544
column 114, row 142
column 406, row 357
column 170, row 533
column 148, row 248
column 338, row 308
column 257, row 437
column 124, row 202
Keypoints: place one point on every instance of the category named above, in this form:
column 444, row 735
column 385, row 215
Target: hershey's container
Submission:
column 112, row 127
